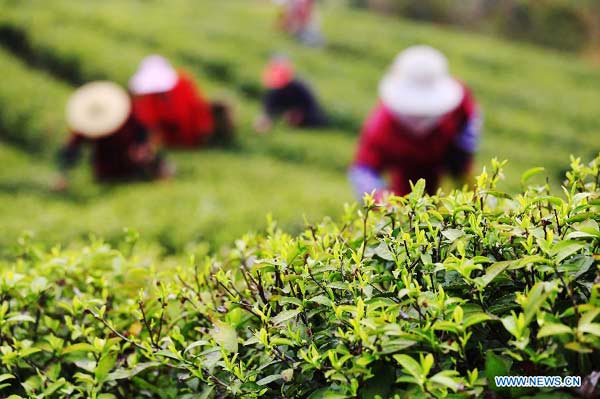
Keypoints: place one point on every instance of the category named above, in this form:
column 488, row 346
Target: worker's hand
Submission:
column 141, row 154
column 263, row 124
column 381, row 196
column 61, row 184
column 294, row 117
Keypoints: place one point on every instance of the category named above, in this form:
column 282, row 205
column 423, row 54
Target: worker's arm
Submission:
column 271, row 105
column 68, row 156
column 459, row 159
column 365, row 174
column 365, row 179
column 142, row 150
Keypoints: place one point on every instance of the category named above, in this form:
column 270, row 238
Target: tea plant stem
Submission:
column 284, row 357
column 196, row 277
column 231, row 294
column 438, row 252
column 189, row 287
column 236, row 290
column 407, row 253
column 248, row 309
column 417, row 307
column 246, row 279
column 145, row 320
column 313, row 233
column 385, row 294
column 569, row 292
column 364, row 243
column 318, row 284
column 161, row 320
column 261, row 290
column 303, row 314
column 278, row 286
column 38, row 314
column 218, row 381
column 249, row 275
column 111, row 328
column 558, row 226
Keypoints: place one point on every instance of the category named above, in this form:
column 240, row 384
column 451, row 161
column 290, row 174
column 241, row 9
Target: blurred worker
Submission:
column 425, row 124
column 289, row 97
column 171, row 106
column 298, row 18
column 99, row 114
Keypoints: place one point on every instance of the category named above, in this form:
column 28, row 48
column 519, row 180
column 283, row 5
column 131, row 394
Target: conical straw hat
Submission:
column 98, row 109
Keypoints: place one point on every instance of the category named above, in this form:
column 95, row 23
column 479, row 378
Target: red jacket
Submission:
column 182, row 117
column 296, row 15
column 301, row 11
column 385, row 145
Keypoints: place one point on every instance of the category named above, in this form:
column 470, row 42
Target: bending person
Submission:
column 298, row 18
column 170, row 105
column 99, row 115
column 288, row 97
column 426, row 124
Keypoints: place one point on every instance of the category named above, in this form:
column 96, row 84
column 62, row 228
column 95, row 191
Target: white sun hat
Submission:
column 419, row 84
column 154, row 75
column 98, row 109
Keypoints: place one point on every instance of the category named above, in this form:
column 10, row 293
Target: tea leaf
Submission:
column 549, row 329
column 269, row 379
column 285, row 316
column 225, row 335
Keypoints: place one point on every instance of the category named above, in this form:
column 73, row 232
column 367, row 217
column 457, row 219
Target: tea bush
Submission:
column 422, row 296
column 560, row 24
column 28, row 123
column 531, row 98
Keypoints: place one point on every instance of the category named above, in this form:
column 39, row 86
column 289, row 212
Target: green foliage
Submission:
column 560, row 24
column 431, row 295
column 569, row 25
column 425, row 296
column 27, row 102
column 427, row 10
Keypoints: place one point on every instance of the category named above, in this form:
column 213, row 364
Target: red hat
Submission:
column 278, row 73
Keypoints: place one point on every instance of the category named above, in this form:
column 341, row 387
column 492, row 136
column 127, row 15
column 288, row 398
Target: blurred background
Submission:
column 533, row 67
column 569, row 25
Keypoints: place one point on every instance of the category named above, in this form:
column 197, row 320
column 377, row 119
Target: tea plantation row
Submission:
column 528, row 95
column 423, row 297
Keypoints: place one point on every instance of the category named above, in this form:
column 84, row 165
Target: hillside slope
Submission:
column 539, row 107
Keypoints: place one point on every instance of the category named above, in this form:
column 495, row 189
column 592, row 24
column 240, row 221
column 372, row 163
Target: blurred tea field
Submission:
column 540, row 106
